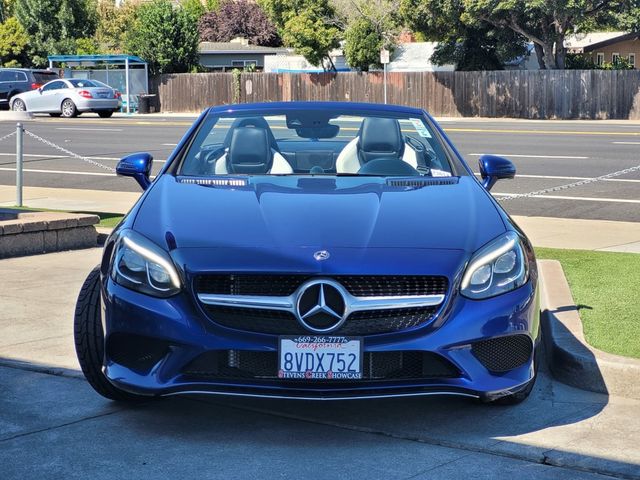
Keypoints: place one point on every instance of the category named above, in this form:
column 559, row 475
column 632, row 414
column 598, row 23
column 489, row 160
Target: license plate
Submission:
column 320, row 358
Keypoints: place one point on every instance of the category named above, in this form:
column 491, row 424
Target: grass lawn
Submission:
column 606, row 288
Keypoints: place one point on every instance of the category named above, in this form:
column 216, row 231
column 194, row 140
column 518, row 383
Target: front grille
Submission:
column 245, row 364
column 503, row 353
column 357, row 285
column 136, row 352
column 278, row 322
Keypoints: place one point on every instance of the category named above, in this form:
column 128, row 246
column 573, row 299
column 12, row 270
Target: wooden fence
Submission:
column 583, row 94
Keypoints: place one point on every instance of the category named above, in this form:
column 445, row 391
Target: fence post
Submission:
column 19, row 158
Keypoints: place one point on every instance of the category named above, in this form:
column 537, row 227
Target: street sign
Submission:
column 384, row 56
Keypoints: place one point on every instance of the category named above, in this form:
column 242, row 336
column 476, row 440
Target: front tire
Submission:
column 69, row 109
column 106, row 114
column 19, row 105
column 89, row 340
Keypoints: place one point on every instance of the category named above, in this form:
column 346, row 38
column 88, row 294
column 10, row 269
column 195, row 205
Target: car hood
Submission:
column 289, row 212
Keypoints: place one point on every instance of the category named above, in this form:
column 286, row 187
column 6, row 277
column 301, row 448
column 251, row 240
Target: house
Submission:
column 287, row 61
column 605, row 47
column 238, row 53
column 416, row 57
column 407, row 56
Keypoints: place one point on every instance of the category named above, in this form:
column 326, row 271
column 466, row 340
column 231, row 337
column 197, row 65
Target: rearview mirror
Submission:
column 494, row 168
column 138, row 166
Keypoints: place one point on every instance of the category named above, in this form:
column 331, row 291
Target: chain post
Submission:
column 19, row 161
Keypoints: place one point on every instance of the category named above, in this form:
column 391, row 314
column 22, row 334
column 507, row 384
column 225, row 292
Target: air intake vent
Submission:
column 421, row 182
column 215, row 182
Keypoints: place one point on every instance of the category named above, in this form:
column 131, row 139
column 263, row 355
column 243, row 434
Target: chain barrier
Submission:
column 569, row 185
column 69, row 152
column 501, row 199
column 7, row 136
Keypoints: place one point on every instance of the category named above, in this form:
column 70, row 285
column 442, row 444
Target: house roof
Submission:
column 213, row 48
column 587, row 42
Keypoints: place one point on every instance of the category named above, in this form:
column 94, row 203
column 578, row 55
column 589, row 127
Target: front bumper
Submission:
column 165, row 336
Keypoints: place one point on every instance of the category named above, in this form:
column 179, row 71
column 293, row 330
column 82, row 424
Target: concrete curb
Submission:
column 11, row 116
column 571, row 359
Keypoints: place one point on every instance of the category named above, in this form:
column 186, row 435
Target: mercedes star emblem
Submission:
column 321, row 255
column 321, row 306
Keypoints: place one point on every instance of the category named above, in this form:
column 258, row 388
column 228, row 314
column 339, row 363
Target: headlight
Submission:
column 496, row 268
column 141, row 265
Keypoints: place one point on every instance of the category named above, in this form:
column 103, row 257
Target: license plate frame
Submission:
column 325, row 367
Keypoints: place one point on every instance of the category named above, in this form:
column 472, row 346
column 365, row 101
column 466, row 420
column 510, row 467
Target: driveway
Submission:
column 52, row 425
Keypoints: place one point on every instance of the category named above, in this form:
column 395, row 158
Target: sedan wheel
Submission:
column 69, row 109
column 19, row 105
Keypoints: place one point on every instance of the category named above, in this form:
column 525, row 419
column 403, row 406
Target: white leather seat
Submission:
column 348, row 162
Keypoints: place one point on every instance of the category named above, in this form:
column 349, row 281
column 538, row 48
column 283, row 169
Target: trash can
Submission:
column 144, row 103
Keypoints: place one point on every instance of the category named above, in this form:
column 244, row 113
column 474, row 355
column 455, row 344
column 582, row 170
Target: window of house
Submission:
column 237, row 63
column 615, row 57
column 632, row 60
column 600, row 58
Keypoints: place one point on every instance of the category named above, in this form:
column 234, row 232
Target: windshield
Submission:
column 315, row 142
column 83, row 83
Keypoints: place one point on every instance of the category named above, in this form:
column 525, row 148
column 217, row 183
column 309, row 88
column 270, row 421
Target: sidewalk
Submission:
column 542, row 231
column 55, row 423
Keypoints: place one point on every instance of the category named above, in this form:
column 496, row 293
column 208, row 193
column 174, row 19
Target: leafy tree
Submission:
column 87, row 46
column 13, row 43
column 370, row 25
column 546, row 23
column 113, row 25
column 238, row 18
column 307, row 26
column 362, row 44
column 53, row 25
column 166, row 37
column 195, row 8
column 470, row 46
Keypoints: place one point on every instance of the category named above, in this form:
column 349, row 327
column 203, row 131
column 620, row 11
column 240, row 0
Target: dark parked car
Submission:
column 17, row 80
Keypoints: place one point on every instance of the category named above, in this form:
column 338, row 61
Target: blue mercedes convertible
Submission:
column 313, row 251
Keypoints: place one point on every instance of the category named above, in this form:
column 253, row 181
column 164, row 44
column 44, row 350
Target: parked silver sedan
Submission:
column 69, row 98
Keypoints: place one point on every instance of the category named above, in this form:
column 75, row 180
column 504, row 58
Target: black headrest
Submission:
column 249, row 152
column 255, row 122
column 380, row 138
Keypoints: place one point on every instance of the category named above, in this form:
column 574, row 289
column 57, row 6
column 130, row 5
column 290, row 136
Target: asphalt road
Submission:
column 546, row 154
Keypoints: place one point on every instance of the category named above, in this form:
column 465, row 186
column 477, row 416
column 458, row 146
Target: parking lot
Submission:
column 546, row 154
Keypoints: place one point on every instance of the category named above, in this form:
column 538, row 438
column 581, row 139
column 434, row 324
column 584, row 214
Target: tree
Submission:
column 164, row 36
column 307, row 26
column 546, row 23
column 370, row 26
column 238, row 18
column 195, row 8
column 362, row 44
column 13, row 43
column 113, row 25
column 468, row 45
column 53, row 25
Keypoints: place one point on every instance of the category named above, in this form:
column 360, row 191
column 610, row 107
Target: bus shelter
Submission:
column 136, row 71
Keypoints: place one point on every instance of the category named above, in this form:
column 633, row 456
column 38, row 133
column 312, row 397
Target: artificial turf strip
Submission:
column 606, row 289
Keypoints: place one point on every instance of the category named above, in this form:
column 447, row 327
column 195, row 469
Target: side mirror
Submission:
column 493, row 168
column 40, row 90
column 138, row 166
